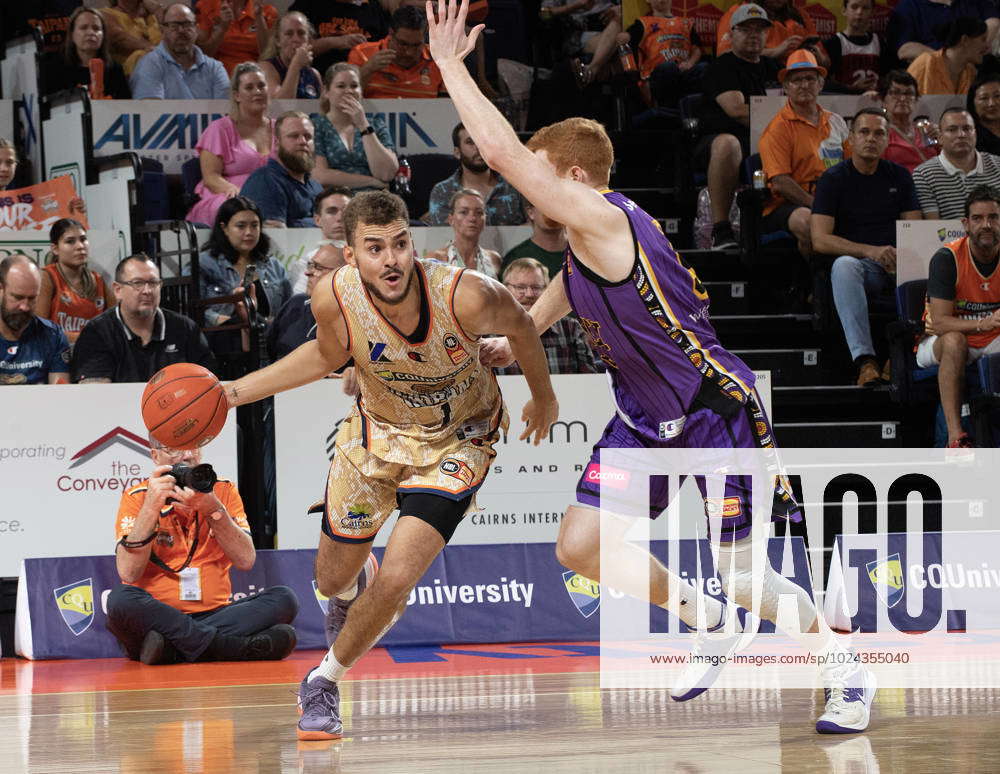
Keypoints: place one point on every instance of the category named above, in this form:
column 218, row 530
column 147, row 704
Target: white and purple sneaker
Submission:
column 849, row 692
column 319, row 705
column 710, row 653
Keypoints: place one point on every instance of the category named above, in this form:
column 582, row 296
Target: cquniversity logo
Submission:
column 76, row 605
column 887, row 578
column 584, row 593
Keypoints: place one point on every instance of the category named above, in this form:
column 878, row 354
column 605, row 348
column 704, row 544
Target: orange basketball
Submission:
column 184, row 406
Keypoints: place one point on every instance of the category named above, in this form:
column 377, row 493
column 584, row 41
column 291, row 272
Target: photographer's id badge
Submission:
column 190, row 584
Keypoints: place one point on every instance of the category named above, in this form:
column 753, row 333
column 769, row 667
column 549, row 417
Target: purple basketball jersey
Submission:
column 652, row 331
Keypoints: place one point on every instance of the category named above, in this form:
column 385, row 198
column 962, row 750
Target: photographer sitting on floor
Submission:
column 178, row 533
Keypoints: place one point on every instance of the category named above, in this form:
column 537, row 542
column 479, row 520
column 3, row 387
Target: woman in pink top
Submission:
column 234, row 146
column 908, row 145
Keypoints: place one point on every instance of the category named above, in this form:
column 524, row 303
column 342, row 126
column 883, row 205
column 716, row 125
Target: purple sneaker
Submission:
column 319, row 704
column 337, row 608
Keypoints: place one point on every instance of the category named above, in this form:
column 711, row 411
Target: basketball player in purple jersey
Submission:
column 674, row 386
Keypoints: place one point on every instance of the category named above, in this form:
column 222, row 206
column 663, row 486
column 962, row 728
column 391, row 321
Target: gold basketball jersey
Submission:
column 425, row 391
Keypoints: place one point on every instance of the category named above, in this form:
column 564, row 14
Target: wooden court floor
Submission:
column 511, row 708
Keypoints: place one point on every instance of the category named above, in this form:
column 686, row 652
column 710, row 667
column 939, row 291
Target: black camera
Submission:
column 200, row 478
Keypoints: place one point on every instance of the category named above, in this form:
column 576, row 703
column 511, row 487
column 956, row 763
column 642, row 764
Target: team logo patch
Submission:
column 76, row 604
column 887, row 578
column 672, row 428
column 321, row 600
column 454, row 348
column 606, row 476
column 375, row 352
column 358, row 517
column 583, row 592
column 727, row 507
column 457, row 469
column 416, row 357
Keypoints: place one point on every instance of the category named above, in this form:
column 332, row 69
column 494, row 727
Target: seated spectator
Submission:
column 952, row 69
column 800, row 143
column 86, row 41
column 917, row 26
column 33, row 350
column 854, row 217
column 175, row 548
column 547, row 243
column 944, row 182
column 237, row 241
column 909, row 145
column 235, row 31
column 177, row 68
column 858, row 56
column 294, row 323
column 503, row 202
column 328, row 213
column 137, row 338
column 71, row 293
column 288, row 67
column 399, row 65
column 350, row 151
column 283, row 188
column 234, row 146
column 565, row 344
column 8, row 163
column 983, row 103
column 792, row 28
column 668, row 52
column 962, row 321
column 341, row 25
column 729, row 82
column 467, row 220
column 133, row 30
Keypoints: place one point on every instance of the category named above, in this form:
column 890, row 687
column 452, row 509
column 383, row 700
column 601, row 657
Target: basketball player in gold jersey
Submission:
column 421, row 434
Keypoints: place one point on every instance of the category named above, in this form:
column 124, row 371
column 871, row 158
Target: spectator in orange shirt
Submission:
column 175, row 548
column 952, row 69
column 71, row 293
column 791, row 29
column 235, row 31
column 802, row 141
column 400, row 64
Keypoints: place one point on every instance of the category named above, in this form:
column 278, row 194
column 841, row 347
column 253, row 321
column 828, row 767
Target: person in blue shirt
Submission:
column 177, row 68
column 283, row 188
column 32, row 350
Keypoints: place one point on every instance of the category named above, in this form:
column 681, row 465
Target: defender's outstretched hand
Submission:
column 448, row 39
column 495, row 352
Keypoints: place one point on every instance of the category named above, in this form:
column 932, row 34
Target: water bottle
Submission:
column 401, row 184
column 759, row 181
column 627, row 59
column 923, row 125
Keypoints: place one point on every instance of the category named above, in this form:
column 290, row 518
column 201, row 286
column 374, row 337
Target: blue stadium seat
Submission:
column 155, row 196
column 190, row 177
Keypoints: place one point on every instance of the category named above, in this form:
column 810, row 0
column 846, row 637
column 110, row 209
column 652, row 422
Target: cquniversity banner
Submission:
column 470, row 594
column 67, row 452
column 168, row 130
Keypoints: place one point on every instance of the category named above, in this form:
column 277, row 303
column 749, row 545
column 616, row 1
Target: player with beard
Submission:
column 421, row 434
column 32, row 350
column 503, row 203
column 283, row 188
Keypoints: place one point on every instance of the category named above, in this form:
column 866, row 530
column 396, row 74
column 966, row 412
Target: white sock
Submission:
column 348, row 594
column 329, row 668
column 684, row 600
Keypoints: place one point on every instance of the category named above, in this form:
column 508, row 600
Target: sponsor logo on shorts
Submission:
column 583, row 592
column 454, row 348
column 76, row 604
column 606, row 476
column 358, row 517
column 458, row 469
column 672, row 428
column 887, row 578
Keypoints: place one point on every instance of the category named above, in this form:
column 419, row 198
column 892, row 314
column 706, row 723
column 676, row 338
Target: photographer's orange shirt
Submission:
column 172, row 543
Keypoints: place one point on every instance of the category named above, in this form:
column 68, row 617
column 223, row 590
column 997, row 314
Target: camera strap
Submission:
column 191, row 551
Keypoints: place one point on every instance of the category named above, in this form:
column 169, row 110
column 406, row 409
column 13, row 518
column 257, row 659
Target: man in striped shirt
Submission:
column 944, row 182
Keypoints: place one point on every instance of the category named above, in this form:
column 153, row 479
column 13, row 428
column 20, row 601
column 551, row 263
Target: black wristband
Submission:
column 137, row 543
column 368, row 130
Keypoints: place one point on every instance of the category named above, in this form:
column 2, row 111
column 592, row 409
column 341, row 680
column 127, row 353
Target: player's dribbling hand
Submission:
column 538, row 417
column 446, row 28
column 495, row 353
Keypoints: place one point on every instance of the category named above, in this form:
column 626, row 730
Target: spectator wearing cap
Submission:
column 854, row 217
column 791, row 28
column 799, row 144
column 729, row 83
column 952, row 69
column 32, row 350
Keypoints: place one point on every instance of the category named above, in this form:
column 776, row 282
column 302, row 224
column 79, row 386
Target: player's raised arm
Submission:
column 483, row 306
column 307, row 363
column 575, row 204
